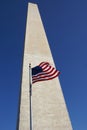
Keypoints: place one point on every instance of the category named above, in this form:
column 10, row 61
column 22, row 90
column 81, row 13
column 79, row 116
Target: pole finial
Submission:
column 29, row 64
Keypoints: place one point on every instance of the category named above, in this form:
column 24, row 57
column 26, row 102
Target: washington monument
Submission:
column 49, row 111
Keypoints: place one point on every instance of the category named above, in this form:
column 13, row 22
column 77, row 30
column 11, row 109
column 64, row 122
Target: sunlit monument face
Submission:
column 48, row 106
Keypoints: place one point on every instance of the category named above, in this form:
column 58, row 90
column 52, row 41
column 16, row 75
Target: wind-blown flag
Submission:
column 44, row 71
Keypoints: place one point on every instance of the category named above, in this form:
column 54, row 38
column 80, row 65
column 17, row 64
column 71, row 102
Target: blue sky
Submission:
column 65, row 24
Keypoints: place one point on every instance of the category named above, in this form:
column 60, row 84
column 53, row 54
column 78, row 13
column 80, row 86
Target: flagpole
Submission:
column 30, row 94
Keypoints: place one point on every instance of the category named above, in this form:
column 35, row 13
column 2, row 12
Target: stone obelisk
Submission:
column 49, row 110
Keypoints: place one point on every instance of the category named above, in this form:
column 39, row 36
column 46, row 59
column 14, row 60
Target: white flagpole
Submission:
column 30, row 93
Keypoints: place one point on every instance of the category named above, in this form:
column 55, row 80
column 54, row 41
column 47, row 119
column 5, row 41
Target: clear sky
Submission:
column 65, row 23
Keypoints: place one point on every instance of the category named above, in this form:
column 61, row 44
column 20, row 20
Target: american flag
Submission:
column 44, row 71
